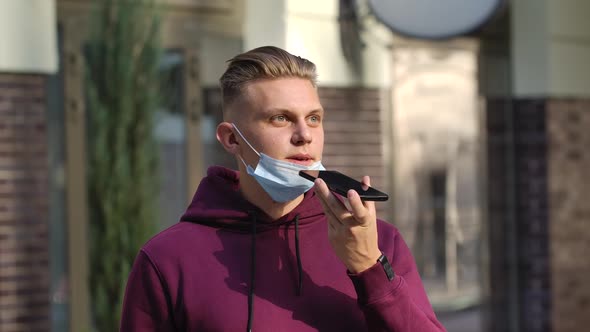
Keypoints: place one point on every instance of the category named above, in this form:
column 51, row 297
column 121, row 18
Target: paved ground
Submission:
column 468, row 320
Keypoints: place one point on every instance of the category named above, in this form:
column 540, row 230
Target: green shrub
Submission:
column 122, row 55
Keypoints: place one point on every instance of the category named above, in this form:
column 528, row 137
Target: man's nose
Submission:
column 301, row 134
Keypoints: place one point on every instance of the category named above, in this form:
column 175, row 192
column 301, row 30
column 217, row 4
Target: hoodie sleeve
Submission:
column 399, row 305
column 145, row 306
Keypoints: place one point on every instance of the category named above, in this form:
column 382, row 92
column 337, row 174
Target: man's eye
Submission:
column 315, row 118
column 279, row 118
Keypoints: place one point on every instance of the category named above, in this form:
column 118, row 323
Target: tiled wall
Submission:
column 24, row 238
column 531, row 213
column 520, row 285
column 569, row 195
column 499, row 209
column 539, row 215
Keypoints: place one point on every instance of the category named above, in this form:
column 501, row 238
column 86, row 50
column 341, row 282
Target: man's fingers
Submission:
column 368, row 204
column 333, row 203
column 356, row 212
column 366, row 180
column 324, row 195
column 361, row 209
column 329, row 214
column 357, row 206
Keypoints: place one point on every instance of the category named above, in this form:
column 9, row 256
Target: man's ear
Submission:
column 226, row 136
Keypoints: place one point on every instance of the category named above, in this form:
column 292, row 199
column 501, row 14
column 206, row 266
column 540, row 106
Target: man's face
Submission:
column 281, row 118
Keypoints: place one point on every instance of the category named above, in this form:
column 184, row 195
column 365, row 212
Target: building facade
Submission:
column 481, row 141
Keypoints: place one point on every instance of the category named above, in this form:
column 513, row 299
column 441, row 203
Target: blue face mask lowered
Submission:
column 280, row 179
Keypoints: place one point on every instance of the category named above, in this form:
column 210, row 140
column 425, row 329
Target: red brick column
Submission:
column 24, row 237
column 569, row 191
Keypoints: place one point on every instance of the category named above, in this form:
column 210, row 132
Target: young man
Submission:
column 260, row 249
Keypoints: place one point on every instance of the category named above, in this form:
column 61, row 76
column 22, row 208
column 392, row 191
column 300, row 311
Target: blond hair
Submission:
column 267, row 62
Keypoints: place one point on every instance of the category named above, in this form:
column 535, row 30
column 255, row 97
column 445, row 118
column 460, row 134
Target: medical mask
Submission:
column 280, row 179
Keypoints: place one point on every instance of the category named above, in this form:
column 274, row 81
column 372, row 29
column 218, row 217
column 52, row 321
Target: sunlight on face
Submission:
column 281, row 118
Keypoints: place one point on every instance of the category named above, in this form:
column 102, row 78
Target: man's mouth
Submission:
column 301, row 159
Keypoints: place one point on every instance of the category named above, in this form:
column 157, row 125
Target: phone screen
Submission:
column 341, row 184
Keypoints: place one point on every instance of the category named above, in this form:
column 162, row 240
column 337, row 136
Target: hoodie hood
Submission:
column 219, row 203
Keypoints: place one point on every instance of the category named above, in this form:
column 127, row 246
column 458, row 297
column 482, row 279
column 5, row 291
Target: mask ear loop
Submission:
column 245, row 140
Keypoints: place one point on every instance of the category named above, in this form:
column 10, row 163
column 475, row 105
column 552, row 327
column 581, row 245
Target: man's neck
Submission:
column 254, row 193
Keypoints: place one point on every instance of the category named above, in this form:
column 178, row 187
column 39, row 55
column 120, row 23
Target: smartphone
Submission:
column 341, row 184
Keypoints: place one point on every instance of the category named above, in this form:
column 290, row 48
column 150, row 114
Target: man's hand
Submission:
column 352, row 233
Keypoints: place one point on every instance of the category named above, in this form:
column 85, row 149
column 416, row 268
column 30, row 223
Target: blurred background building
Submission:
column 481, row 139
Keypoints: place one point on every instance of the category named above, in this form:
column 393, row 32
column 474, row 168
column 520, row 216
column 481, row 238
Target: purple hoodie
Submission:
column 227, row 266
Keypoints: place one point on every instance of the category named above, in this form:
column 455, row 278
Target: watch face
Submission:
column 434, row 19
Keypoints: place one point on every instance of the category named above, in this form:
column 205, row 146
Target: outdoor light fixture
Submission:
column 434, row 19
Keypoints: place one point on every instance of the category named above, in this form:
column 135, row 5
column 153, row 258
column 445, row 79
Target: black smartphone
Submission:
column 341, row 184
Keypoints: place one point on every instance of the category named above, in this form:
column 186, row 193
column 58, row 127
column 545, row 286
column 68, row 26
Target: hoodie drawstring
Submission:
column 253, row 268
column 252, row 274
column 299, row 268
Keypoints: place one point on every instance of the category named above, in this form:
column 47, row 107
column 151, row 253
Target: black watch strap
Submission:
column 386, row 266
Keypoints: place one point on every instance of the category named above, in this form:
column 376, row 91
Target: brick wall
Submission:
column 353, row 141
column 539, row 216
column 569, row 190
column 24, row 239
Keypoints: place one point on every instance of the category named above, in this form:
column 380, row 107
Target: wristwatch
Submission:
column 386, row 266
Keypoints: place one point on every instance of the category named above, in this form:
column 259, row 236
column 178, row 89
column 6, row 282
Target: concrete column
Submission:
column 550, row 48
column 28, row 36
